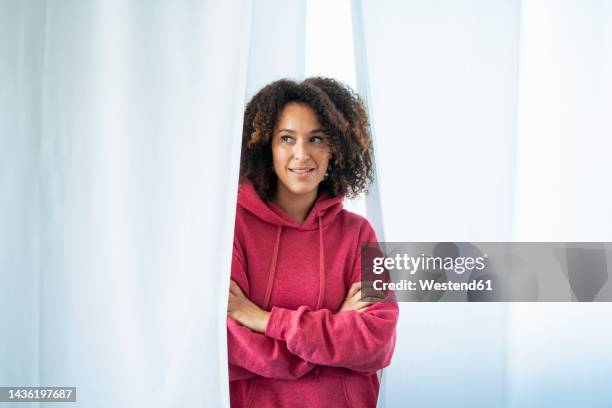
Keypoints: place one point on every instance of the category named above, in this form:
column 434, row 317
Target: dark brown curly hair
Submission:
column 342, row 114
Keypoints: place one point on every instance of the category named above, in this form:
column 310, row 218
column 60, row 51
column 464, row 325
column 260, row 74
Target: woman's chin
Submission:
column 302, row 189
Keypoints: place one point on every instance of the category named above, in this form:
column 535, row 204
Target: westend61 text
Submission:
column 430, row 284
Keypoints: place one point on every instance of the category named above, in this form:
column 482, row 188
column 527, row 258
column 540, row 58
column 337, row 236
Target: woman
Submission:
column 298, row 333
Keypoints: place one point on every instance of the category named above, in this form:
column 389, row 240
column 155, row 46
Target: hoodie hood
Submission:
column 324, row 209
column 323, row 212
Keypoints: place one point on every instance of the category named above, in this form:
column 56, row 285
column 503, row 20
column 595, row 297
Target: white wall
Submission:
column 277, row 45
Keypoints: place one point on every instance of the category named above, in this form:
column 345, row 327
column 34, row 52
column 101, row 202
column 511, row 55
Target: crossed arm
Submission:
column 242, row 310
column 286, row 344
column 252, row 352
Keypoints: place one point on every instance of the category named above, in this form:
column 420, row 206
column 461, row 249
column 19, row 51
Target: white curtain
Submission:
column 120, row 125
column 440, row 79
column 120, row 128
column 491, row 121
column 560, row 354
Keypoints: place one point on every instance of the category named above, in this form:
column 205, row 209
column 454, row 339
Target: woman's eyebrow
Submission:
column 293, row 131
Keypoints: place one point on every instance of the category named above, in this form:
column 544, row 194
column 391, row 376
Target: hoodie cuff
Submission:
column 278, row 323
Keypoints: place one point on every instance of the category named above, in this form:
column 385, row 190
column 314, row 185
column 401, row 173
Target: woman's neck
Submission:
column 296, row 205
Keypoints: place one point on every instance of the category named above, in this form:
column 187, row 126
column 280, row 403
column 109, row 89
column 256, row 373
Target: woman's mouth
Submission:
column 302, row 172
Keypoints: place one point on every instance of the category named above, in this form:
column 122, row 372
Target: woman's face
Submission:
column 300, row 152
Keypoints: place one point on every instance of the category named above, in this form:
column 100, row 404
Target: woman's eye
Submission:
column 286, row 138
column 317, row 139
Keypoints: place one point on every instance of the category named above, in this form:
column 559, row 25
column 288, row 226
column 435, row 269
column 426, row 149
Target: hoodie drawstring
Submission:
column 316, row 372
column 272, row 271
column 321, row 281
column 322, row 276
column 272, row 268
column 321, row 266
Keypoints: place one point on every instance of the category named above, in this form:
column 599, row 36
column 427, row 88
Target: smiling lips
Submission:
column 302, row 172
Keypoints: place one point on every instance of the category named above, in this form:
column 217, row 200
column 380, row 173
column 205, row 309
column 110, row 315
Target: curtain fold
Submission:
column 122, row 125
column 21, row 57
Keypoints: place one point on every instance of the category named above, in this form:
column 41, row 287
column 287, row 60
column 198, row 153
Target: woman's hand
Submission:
column 245, row 312
column 353, row 298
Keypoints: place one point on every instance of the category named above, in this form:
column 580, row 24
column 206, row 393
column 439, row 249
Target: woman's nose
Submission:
column 300, row 151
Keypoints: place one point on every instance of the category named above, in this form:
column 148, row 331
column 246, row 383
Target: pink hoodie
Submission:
column 309, row 356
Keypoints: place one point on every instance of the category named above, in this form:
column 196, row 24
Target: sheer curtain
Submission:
column 491, row 122
column 120, row 126
column 560, row 354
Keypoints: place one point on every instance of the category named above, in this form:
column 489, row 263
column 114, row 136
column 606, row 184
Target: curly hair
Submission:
column 342, row 114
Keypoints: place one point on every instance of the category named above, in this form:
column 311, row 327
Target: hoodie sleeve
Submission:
column 360, row 342
column 251, row 354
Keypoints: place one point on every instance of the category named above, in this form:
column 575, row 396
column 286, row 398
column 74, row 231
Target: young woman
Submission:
column 298, row 333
